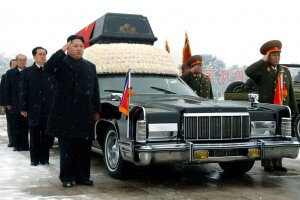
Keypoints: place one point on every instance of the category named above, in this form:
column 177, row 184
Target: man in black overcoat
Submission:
column 12, row 64
column 19, row 124
column 37, row 88
column 76, row 105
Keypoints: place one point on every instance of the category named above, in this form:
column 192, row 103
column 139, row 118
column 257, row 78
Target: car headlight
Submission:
column 141, row 132
column 163, row 131
column 263, row 128
column 286, row 127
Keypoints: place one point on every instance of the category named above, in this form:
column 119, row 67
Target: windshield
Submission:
column 144, row 84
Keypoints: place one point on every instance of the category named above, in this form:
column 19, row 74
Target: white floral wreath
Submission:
column 140, row 58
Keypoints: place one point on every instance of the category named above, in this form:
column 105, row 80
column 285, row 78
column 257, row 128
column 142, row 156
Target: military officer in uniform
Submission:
column 198, row 81
column 266, row 73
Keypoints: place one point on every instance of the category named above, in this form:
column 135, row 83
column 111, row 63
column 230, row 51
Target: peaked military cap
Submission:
column 195, row 59
column 271, row 46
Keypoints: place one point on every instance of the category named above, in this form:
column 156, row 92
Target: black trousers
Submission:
column 19, row 130
column 75, row 159
column 40, row 144
column 9, row 133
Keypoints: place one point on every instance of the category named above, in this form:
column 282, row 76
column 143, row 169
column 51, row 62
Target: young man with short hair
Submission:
column 75, row 106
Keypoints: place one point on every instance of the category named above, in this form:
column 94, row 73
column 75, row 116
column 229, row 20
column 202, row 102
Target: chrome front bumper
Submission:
column 184, row 153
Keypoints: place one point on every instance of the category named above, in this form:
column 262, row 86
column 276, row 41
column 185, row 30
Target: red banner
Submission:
column 86, row 33
column 186, row 52
column 224, row 76
column 211, row 74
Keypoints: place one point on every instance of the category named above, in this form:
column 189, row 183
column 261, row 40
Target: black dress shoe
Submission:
column 269, row 169
column 67, row 184
column 87, row 182
column 16, row 149
column 44, row 162
column 34, row 163
column 10, row 145
column 280, row 169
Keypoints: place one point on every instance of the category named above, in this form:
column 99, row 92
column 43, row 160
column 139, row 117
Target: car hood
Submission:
column 188, row 104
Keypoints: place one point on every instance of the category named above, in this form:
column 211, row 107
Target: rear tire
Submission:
column 237, row 167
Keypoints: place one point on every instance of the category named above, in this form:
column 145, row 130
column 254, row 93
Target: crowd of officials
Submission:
column 60, row 98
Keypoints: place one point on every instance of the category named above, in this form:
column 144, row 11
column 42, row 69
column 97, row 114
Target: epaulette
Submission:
column 284, row 66
column 205, row 76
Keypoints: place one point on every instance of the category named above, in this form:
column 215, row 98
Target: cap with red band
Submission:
column 271, row 46
column 194, row 60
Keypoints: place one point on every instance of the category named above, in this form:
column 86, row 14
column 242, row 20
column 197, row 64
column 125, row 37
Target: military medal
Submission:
column 268, row 69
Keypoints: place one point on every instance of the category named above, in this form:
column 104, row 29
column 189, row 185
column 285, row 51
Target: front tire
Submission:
column 297, row 127
column 114, row 162
column 232, row 87
column 237, row 167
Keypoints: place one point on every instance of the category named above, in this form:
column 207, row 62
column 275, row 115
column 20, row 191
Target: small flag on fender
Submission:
column 127, row 92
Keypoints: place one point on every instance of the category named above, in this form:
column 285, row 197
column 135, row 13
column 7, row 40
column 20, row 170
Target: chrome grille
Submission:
column 216, row 126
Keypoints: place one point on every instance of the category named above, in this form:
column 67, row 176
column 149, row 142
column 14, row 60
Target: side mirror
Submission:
column 253, row 98
column 116, row 96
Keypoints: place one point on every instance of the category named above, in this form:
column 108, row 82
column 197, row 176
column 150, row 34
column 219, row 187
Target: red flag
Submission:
column 186, row 52
column 86, row 33
column 167, row 48
column 127, row 92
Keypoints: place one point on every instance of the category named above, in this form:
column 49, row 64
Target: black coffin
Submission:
column 122, row 28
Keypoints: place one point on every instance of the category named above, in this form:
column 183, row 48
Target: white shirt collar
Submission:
column 38, row 65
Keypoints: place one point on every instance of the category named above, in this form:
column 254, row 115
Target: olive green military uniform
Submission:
column 265, row 78
column 200, row 84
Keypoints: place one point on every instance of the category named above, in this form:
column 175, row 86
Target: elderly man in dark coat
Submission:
column 75, row 106
column 274, row 85
column 36, row 94
column 19, row 124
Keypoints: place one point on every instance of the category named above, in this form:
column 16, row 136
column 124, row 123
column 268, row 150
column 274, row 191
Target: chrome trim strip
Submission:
column 158, row 127
column 215, row 114
column 105, row 120
column 289, row 110
column 223, row 146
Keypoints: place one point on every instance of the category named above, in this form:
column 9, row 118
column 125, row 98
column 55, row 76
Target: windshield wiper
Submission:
column 162, row 90
column 116, row 91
